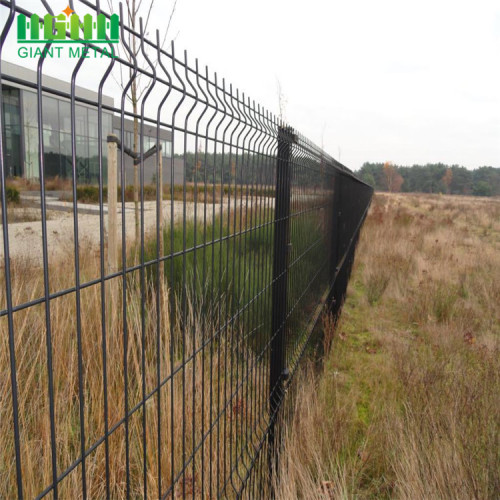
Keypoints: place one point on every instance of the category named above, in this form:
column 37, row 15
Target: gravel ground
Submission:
column 25, row 238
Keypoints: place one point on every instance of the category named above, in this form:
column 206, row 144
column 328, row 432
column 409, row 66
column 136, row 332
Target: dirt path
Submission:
column 25, row 238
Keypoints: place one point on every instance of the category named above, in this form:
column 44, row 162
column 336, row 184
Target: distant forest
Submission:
column 432, row 178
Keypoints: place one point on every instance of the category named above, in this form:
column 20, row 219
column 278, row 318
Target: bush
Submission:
column 376, row 283
column 89, row 194
column 12, row 194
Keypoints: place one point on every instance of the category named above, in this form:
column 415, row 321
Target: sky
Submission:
column 386, row 80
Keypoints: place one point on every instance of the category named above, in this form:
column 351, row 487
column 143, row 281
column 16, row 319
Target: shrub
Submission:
column 12, row 194
column 89, row 194
column 376, row 284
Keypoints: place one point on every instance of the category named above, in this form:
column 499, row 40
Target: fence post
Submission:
column 278, row 372
column 112, row 202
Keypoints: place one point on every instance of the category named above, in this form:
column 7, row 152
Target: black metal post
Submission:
column 279, row 288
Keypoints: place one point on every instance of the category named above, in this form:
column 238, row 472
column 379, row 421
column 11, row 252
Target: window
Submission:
column 81, row 120
column 64, row 117
column 12, row 131
column 30, row 118
column 92, row 121
column 166, row 148
column 50, row 113
column 51, row 146
column 66, row 157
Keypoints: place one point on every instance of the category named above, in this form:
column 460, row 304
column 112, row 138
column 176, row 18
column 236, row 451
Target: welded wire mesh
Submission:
column 148, row 355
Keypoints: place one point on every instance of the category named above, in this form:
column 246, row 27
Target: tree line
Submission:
column 247, row 168
column 432, row 178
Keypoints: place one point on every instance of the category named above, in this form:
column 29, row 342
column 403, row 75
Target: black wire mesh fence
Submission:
column 173, row 250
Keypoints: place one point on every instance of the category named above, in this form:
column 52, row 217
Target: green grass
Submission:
column 234, row 274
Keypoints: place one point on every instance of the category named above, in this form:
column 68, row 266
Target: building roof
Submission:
column 20, row 76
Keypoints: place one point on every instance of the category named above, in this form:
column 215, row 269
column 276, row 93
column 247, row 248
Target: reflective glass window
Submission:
column 65, row 116
column 92, row 121
column 107, row 124
column 50, row 113
column 66, row 162
column 30, row 121
column 81, row 120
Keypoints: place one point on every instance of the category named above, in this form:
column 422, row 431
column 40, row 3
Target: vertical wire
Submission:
column 133, row 74
column 204, row 298
column 102, row 267
column 260, row 284
column 216, row 319
column 259, row 374
column 193, row 288
column 261, row 371
column 45, row 257
column 227, row 309
column 8, row 282
column 184, row 284
column 199, row 305
column 252, row 225
column 142, row 271
column 266, row 381
column 238, row 330
column 234, row 309
column 81, row 394
column 254, row 290
column 243, row 309
column 160, row 268
column 256, row 286
column 220, row 292
column 172, row 277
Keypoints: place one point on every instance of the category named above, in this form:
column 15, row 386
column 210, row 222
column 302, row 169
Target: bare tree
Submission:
column 281, row 100
column 447, row 179
column 135, row 9
column 393, row 179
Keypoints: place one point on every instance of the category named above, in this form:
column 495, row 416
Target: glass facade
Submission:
column 57, row 140
column 30, row 123
column 21, row 138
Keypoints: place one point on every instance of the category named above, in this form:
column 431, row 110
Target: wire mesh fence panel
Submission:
column 172, row 249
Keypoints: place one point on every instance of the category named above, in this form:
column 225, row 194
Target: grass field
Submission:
column 408, row 403
column 183, row 408
column 204, row 334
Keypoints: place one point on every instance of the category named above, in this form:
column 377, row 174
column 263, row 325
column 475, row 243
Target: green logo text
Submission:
column 53, row 29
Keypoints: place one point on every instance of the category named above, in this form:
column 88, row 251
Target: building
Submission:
column 21, row 128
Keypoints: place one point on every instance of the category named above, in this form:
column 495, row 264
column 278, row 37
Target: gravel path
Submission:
column 25, row 238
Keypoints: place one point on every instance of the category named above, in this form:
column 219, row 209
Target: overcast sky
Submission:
column 385, row 80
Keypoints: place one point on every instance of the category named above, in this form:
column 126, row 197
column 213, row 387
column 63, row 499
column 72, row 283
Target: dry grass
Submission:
column 408, row 405
column 200, row 391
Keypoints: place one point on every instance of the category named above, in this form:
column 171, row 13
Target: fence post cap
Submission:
column 113, row 138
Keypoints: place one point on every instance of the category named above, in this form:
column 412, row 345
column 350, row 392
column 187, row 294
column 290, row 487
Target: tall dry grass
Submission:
column 408, row 403
column 196, row 399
